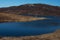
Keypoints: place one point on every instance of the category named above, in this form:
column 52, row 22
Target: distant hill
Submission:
column 33, row 9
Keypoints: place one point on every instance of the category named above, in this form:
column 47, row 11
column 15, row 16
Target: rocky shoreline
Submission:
column 51, row 36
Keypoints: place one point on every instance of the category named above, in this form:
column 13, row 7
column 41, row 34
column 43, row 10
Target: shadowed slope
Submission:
column 33, row 9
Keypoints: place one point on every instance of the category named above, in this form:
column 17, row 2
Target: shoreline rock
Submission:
column 51, row 36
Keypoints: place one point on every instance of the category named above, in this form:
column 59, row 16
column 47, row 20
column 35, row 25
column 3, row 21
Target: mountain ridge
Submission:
column 33, row 9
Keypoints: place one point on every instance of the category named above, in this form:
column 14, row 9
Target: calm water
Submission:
column 30, row 28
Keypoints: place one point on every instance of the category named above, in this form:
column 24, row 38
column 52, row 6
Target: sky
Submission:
column 7, row 3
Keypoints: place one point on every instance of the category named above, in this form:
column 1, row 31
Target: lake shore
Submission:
column 51, row 36
column 4, row 17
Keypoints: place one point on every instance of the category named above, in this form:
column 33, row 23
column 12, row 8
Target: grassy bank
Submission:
column 4, row 17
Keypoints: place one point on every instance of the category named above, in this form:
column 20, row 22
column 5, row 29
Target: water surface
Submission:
column 30, row 28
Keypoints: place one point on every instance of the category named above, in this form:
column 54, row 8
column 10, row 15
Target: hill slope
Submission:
column 32, row 9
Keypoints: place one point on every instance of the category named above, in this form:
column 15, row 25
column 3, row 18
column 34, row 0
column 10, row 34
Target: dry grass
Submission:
column 4, row 17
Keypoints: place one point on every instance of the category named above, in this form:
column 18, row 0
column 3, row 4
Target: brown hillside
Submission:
column 33, row 9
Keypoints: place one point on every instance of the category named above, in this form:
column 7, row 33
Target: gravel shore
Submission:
column 51, row 36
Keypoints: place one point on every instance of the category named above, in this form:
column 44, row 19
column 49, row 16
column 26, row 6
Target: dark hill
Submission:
column 33, row 9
